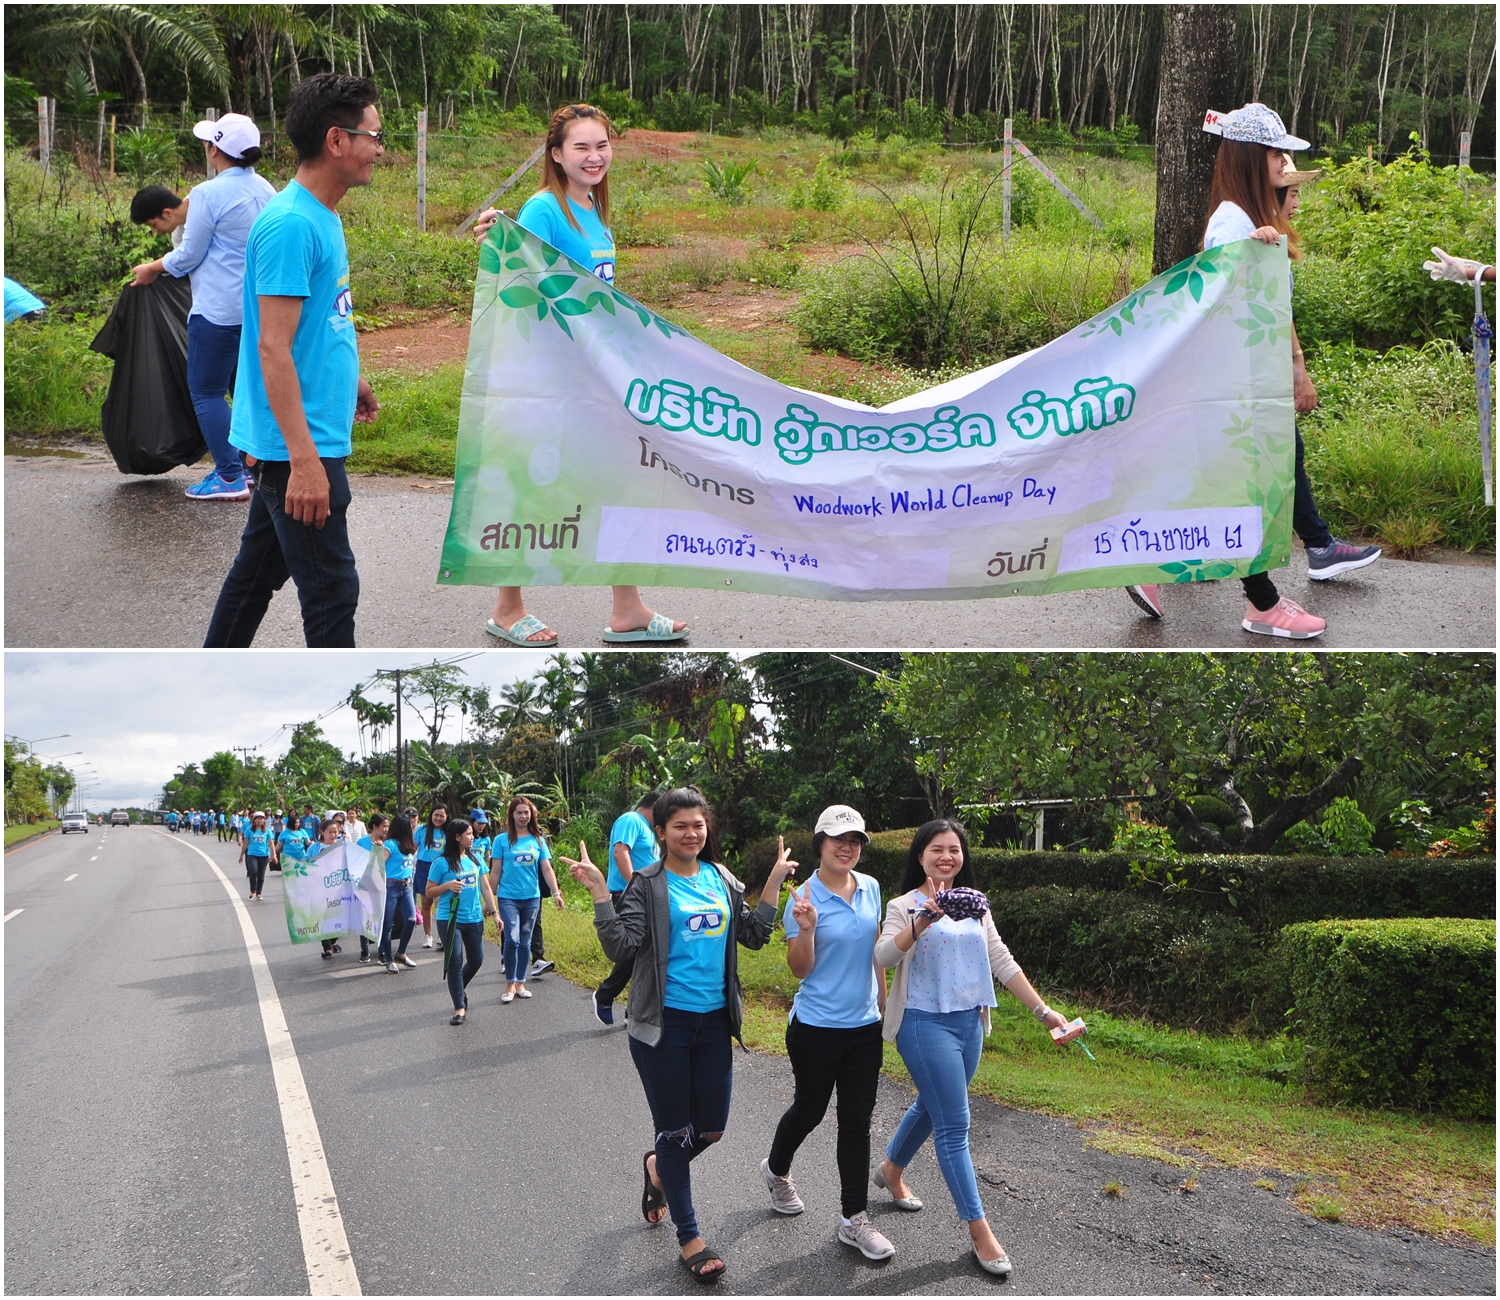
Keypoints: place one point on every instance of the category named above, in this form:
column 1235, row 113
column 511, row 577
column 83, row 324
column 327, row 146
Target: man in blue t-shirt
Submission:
column 298, row 391
column 632, row 845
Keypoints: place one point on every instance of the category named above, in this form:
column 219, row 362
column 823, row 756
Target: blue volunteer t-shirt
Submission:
column 312, row 823
column 293, row 843
column 430, row 846
column 699, row 929
column 469, row 906
column 631, row 830
column 593, row 247
column 520, row 866
column 481, row 847
column 840, row 991
column 297, row 250
column 258, row 844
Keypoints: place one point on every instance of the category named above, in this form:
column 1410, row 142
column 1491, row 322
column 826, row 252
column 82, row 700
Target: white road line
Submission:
column 74, row 876
column 95, row 858
column 17, row 912
column 325, row 1247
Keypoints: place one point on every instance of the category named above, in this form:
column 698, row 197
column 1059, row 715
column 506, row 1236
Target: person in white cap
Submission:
column 1243, row 204
column 833, row 1033
column 220, row 214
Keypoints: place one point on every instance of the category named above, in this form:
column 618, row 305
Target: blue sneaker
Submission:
column 603, row 1011
column 213, row 488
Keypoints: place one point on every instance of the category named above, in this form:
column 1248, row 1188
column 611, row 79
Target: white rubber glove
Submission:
column 1458, row 269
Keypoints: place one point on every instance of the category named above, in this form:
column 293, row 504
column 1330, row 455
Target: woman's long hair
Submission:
column 674, row 801
column 400, row 834
column 552, row 173
column 534, row 830
column 452, row 853
column 926, row 833
column 1241, row 177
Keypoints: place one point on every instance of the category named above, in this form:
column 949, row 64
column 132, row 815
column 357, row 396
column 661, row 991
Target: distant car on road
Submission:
column 119, row 818
column 75, row 821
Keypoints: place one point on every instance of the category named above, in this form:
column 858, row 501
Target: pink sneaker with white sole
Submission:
column 1284, row 618
column 1146, row 597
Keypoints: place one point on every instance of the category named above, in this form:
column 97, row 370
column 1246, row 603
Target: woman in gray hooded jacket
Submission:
column 681, row 920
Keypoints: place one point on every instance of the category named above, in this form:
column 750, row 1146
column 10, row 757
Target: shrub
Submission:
column 1394, row 446
column 54, row 383
column 1347, row 829
column 1380, row 222
column 726, row 180
column 1397, row 1012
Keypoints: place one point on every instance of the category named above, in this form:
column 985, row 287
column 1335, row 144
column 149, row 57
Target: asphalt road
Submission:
column 94, row 558
column 144, row 1149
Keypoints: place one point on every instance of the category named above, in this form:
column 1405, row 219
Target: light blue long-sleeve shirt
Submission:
column 220, row 214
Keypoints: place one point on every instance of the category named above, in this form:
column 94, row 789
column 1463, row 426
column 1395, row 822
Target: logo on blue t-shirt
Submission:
column 344, row 303
column 705, row 925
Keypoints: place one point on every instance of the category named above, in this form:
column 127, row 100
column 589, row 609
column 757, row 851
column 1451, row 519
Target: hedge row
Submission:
column 1266, row 893
column 1397, row 1012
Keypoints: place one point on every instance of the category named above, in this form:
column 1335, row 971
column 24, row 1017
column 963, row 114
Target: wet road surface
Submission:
column 93, row 558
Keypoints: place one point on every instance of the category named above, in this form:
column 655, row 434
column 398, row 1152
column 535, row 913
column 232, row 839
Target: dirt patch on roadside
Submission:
column 668, row 145
column 417, row 349
column 739, row 311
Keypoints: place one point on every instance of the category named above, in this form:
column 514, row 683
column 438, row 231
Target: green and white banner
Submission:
column 340, row 892
column 599, row 444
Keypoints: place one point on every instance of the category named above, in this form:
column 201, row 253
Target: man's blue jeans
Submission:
column 212, row 354
column 519, row 915
column 941, row 1052
column 275, row 547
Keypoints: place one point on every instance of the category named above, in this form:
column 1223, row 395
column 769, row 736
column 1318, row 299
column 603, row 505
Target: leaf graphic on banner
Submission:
column 560, row 320
column 601, row 300
column 571, row 307
column 515, row 236
column 554, row 286
column 520, row 295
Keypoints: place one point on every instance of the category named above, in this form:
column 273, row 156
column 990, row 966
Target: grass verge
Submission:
column 1178, row 1098
column 23, row 831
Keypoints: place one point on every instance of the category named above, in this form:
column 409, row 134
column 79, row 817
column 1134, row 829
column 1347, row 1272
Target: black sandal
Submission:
column 652, row 1198
column 695, row 1263
column 458, row 1018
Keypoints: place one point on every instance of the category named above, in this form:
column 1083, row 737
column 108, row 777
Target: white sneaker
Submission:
column 427, row 942
column 784, row 1198
column 860, row 1233
column 393, row 968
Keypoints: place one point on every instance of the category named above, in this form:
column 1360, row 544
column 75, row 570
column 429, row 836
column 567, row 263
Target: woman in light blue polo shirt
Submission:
column 523, row 858
column 833, row 1035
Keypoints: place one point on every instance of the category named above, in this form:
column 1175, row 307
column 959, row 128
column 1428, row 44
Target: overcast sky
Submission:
column 138, row 716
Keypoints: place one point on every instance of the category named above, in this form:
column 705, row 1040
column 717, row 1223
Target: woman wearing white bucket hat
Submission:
column 220, row 214
column 1243, row 204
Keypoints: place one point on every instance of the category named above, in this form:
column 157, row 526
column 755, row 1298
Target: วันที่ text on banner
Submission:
column 600, row 444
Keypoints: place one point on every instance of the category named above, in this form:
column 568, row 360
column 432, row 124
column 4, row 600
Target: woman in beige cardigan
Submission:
column 937, row 1014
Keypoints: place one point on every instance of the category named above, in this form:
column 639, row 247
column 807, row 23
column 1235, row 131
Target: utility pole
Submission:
column 400, row 755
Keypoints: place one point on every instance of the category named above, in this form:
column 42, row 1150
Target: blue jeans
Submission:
column 397, row 899
column 275, row 547
column 212, row 354
column 519, row 915
column 941, row 1053
column 1307, row 523
column 688, row 1077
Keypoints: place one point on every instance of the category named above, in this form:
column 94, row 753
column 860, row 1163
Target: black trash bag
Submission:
column 149, row 422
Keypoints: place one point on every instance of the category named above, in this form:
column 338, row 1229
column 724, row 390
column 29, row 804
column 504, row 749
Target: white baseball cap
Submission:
column 840, row 819
column 233, row 134
column 1253, row 124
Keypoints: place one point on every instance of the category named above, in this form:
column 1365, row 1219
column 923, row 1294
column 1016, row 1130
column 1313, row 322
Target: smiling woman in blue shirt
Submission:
column 833, row 1032
column 570, row 210
column 680, row 921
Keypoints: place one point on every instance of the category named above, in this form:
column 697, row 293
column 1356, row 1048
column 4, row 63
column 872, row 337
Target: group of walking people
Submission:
column 272, row 326
column 673, row 931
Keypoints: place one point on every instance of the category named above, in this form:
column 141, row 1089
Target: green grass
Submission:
column 416, row 430
column 1178, row 1098
column 55, row 384
column 23, row 831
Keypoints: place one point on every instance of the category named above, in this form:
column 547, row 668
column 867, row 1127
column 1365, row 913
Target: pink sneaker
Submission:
column 1285, row 618
column 1145, row 596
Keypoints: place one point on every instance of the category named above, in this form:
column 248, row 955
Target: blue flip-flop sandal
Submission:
column 658, row 629
column 518, row 631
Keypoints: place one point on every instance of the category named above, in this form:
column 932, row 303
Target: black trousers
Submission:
column 615, row 982
column 1307, row 523
column 255, row 868
column 822, row 1060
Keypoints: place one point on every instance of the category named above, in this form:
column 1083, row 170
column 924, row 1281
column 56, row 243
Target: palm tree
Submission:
column 182, row 32
column 521, row 702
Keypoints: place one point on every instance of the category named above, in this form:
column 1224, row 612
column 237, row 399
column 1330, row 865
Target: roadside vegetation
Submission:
column 20, row 832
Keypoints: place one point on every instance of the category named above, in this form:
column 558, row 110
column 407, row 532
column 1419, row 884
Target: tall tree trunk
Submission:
column 140, row 75
column 1197, row 74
